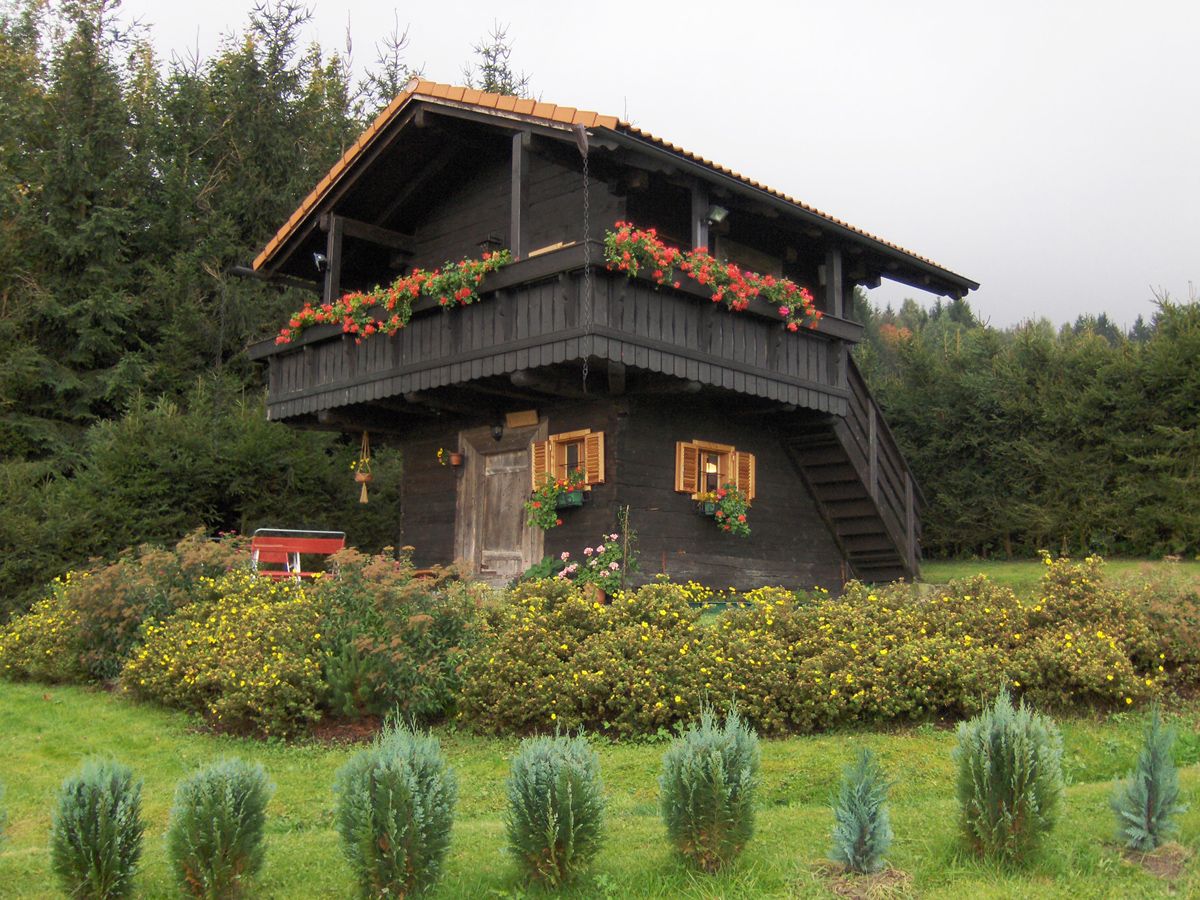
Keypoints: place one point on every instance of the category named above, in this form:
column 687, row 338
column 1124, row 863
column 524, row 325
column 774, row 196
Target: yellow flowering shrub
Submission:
column 798, row 663
column 249, row 660
column 42, row 644
column 93, row 616
column 552, row 658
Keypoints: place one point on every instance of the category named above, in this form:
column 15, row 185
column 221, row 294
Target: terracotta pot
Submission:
column 456, row 459
column 593, row 593
column 364, row 477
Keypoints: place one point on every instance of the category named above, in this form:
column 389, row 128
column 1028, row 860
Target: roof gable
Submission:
column 563, row 118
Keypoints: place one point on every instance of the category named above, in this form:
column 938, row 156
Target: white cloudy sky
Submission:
column 1048, row 150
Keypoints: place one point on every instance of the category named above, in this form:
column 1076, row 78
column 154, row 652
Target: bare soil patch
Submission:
column 1168, row 862
column 886, row 884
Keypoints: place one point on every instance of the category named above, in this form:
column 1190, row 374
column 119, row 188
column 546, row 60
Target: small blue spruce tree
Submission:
column 1147, row 802
column 862, row 832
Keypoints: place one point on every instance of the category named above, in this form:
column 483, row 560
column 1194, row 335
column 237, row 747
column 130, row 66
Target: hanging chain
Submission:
column 587, row 262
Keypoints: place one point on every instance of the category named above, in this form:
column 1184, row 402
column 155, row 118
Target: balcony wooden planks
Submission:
column 542, row 322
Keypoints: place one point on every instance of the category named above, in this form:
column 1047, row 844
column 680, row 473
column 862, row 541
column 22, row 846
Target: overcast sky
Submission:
column 1047, row 150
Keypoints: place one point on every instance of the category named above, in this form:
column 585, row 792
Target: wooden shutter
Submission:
column 593, row 458
column 539, row 462
column 687, row 468
column 743, row 472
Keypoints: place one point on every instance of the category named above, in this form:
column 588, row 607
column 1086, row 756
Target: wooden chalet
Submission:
column 656, row 392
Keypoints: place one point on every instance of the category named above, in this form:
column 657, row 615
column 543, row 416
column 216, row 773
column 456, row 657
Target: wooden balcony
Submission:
column 534, row 313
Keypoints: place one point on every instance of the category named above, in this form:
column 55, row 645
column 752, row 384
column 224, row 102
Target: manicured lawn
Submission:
column 46, row 731
column 1023, row 575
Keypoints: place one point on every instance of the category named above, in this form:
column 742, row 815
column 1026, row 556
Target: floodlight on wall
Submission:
column 320, row 260
column 716, row 214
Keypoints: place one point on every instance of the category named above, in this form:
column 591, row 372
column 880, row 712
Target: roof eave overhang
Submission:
column 909, row 269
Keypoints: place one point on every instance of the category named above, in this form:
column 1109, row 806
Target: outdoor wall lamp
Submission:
column 716, row 214
column 320, row 260
column 497, row 432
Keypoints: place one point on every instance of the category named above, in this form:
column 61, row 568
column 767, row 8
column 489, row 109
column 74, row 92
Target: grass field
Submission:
column 1023, row 575
column 45, row 732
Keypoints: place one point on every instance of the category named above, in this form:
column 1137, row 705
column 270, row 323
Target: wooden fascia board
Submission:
column 839, row 231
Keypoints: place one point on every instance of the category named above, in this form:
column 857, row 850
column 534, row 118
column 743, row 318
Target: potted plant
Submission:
column 554, row 494
column 449, row 457
column 728, row 507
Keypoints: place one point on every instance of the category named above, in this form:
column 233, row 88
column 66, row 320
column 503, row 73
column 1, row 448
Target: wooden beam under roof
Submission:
column 372, row 234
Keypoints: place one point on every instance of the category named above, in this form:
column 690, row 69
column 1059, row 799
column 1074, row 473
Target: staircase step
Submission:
column 840, row 491
column 868, row 542
column 850, row 508
column 819, row 456
column 861, row 525
column 830, row 474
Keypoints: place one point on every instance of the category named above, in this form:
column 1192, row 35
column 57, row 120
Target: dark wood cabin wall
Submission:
column 456, row 226
column 428, row 493
column 555, row 210
column 789, row 545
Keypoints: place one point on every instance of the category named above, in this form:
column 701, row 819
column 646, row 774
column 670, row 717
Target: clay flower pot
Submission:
column 364, row 477
column 456, row 458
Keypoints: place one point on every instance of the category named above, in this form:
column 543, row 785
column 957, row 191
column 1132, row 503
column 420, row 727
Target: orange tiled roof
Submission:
column 532, row 109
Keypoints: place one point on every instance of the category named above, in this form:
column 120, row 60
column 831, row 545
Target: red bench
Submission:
column 283, row 547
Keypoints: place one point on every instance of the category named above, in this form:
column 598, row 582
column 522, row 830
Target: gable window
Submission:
column 703, row 466
column 571, row 451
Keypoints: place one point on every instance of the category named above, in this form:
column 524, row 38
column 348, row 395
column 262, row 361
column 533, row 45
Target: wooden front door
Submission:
column 491, row 535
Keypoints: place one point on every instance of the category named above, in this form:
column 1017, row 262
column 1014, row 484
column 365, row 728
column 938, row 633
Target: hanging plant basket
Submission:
column 364, row 477
column 568, row 499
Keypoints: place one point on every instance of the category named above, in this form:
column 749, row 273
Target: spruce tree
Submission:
column 1148, row 801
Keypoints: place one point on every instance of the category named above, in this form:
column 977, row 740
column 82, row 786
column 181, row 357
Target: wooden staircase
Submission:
column 862, row 485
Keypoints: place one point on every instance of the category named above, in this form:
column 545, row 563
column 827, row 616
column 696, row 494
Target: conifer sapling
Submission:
column 1147, row 802
column 862, row 832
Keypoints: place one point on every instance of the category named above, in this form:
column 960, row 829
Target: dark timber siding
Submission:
column 789, row 544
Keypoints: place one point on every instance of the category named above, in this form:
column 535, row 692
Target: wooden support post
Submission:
column 519, row 199
column 333, row 260
column 833, row 282
column 873, row 451
column 616, row 378
column 910, row 524
column 700, row 216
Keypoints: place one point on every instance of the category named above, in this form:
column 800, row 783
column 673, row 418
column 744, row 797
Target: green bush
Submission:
column 215, row 836
column 555, row 808
column 90, row 622
column 392, row 641
column 395, row 809
column 707, row 786
column 1010, row 781
column 1147, row 803
column 96, row 834
column 862, row 832
column 249, row 660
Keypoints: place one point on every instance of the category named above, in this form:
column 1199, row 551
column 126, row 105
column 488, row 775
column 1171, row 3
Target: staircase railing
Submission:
column 874, row 453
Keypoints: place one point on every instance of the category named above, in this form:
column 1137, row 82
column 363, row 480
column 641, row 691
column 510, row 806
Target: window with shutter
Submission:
column 568, row 452
column 703, row 466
